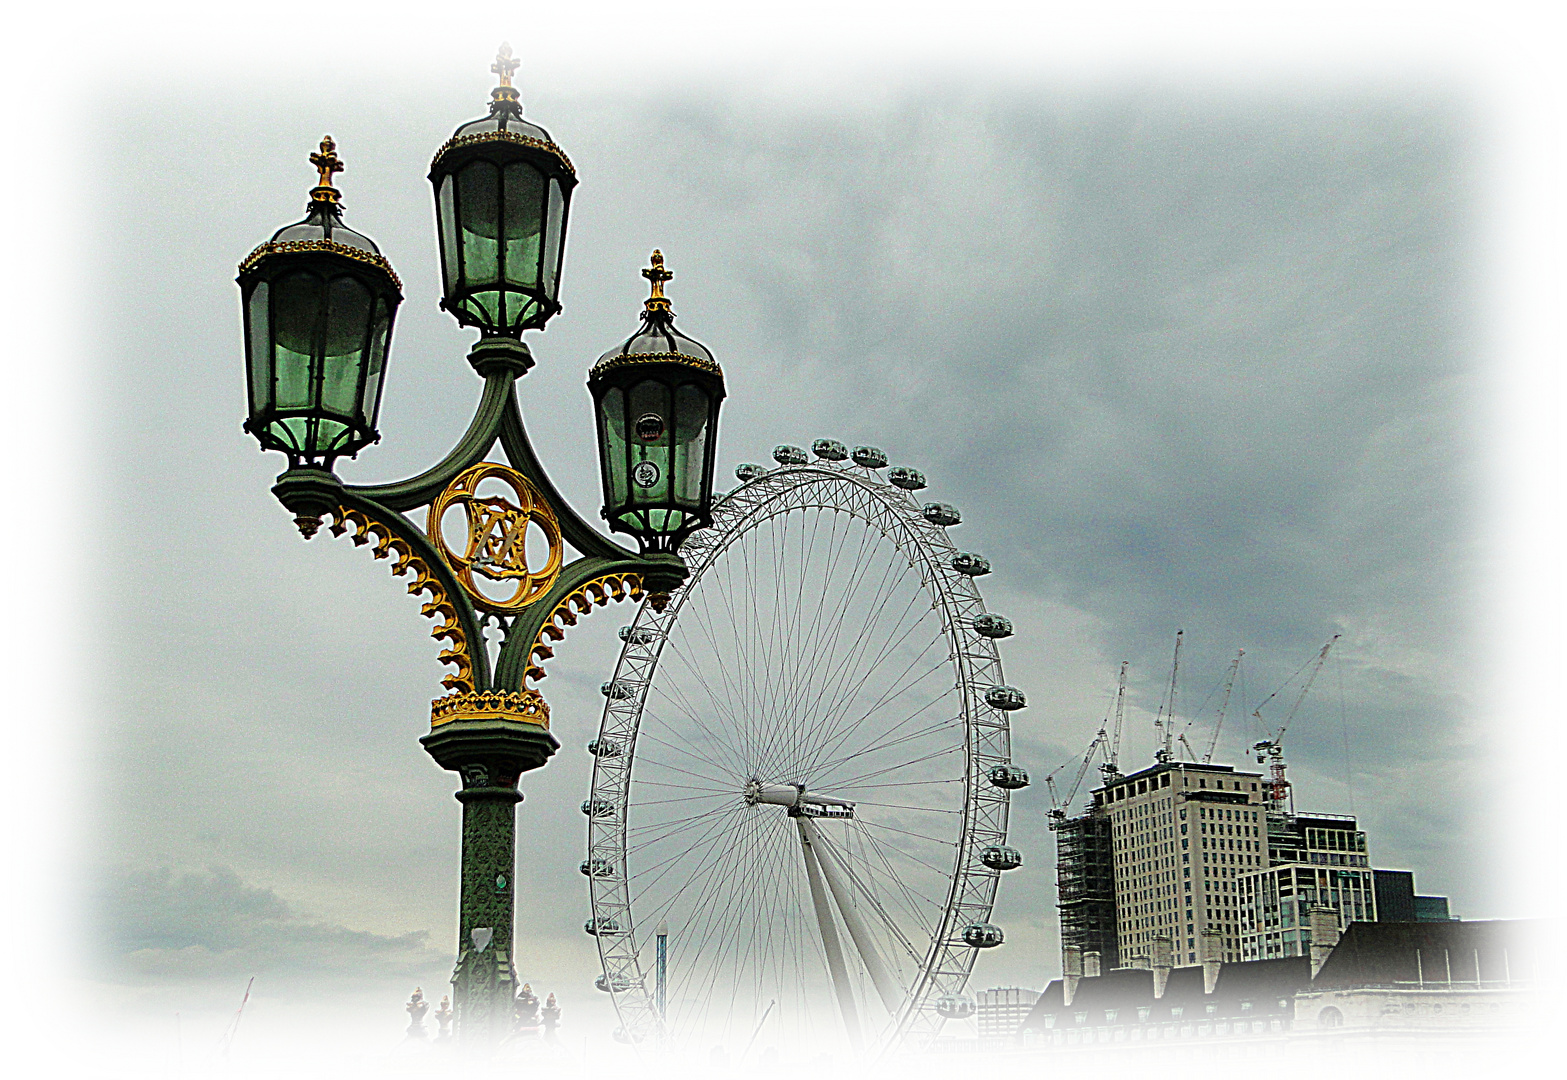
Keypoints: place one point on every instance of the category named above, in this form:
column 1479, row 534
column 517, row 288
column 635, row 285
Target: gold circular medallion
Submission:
column 495, row 546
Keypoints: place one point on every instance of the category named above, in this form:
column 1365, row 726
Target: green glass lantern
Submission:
column 657, row 398
column 319, row 300
column 502, row 189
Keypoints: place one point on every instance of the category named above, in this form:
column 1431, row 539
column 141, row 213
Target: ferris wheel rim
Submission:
column 923, row 542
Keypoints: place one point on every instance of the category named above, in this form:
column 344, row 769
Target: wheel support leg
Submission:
column 830, row 942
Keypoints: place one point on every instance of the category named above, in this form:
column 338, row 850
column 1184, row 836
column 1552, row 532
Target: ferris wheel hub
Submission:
column 799, row 801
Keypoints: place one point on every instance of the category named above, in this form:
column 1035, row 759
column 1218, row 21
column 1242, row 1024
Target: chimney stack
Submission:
column 1163, row 961
column 1212, row 946
column 1323, row 922
column 1138, row 960
column 1091, row 965
column 1071, row 971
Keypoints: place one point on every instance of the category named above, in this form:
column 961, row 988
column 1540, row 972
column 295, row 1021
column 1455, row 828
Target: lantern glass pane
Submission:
column 260, row 348
column 556, row 228
column 614, row 419
column 347, row 333
column 650, row 440
column 296, row 316
column 331, row 436
column 376, row 363
column 691, row 408
column 294, row 431
column 479, row 189
column 524, row 223
column 451, row 262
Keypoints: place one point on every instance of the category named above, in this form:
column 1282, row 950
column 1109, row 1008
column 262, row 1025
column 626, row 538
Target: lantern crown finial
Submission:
column 657, row 275
column 505, row 97
column 505, row 65
column 327, row 163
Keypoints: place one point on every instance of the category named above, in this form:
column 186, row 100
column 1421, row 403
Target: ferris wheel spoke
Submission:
column 854, row 782
column 943, row 725
column 658, row 870
column 725, row 783
column 677, row 700
column 889, row 695
column 828, row 643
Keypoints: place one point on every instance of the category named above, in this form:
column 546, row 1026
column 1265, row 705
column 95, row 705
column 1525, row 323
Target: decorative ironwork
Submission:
column 503, row 136
column 495, row 547
column 525, row 707
column 580, row 601
column 283, row 246
column 439, row 605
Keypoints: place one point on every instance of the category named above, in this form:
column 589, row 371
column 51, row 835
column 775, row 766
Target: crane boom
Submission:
column 1166, row 721
column 1060, row 806
column 1271, row 749
column 1112, row 764
column 1229, row 684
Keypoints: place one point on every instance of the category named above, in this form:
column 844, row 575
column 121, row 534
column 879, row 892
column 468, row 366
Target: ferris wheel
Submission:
column 798, row 812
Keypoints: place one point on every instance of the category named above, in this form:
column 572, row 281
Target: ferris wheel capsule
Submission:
column 966, row 562
column 598, row 808
column 983, row 935
column 1005, row 698
column 992, row 625
column 829, row 449
column 906, row 478
column 1010, row 777
column 621, row 1034
column 785, row 454
column 748, row 472
column 602, row 927
column 939, row 513
column 604, row 748
column 619, row 983
column 597, row 868
column 616, row 691
column 638, row 635
column 955, row 1006
column 869, row 457
column 1001, row 857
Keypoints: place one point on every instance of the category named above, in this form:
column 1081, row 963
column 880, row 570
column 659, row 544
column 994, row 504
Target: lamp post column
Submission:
column 489, row 743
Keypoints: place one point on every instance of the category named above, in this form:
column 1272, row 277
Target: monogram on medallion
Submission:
column 495, row 544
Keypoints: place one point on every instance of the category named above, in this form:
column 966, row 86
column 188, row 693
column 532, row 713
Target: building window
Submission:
column 1330, row 1018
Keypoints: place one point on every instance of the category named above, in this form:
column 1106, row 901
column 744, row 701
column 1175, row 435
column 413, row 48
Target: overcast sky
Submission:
column 1188, row 352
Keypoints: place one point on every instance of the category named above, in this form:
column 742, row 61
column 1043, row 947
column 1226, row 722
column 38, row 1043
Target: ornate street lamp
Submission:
column 657, row 398
column 319, row 300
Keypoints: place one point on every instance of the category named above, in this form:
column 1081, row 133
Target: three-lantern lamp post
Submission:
column 319, row 302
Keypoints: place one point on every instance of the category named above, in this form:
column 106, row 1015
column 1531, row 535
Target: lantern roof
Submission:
column 504, row 122
column 322, row 228
column 657, row 339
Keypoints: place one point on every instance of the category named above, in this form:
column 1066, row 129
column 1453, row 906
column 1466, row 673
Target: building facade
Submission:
column 1314, row 861
column 1000, row 1011
column 1181, row 835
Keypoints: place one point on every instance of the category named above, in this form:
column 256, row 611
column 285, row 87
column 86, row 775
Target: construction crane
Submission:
column 1060, row 806
column 1110, row 769
column 1229, row 684
column 1166, row 720
column 1271, row 749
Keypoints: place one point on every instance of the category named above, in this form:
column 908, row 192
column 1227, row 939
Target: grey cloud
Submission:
column 168, row 925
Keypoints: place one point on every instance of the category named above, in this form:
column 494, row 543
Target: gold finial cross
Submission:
column 657, row 275
column 504, row 64
column 327, row 162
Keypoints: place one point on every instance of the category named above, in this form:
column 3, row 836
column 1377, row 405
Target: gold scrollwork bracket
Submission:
column 595, row 592
column 385, row 541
